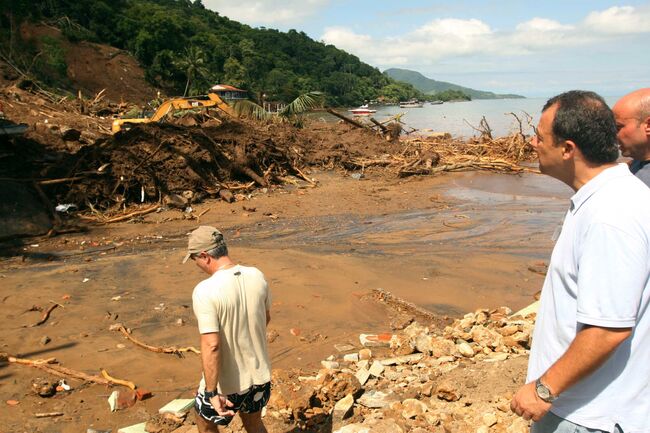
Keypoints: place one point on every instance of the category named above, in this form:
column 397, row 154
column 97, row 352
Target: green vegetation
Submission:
column 452, row 95
column 186, row 48
column 433, row 87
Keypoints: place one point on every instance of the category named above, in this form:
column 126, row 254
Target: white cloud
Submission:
column 447, row 38
column 619, row 20
column 268, row 12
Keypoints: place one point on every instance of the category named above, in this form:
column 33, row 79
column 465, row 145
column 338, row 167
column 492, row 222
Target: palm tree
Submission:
column 294, row 109
column 193, row 64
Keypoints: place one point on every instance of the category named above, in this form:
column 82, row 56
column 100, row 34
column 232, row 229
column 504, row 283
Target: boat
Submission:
column 438, row 102
column 413, row 103
column 363, row 110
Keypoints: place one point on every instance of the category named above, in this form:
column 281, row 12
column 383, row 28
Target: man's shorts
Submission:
column 249, row 401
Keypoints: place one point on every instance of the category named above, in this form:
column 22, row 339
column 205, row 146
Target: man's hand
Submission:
column 221, row 405
column 528, row 405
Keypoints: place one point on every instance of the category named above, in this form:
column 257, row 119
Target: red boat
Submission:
column 362, row 111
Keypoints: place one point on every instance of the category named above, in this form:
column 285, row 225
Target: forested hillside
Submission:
column 186, row 48
column 434, row 87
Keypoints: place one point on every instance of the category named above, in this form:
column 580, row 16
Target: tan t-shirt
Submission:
column 233, row 302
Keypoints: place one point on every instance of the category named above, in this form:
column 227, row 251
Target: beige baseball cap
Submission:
column 205, row 238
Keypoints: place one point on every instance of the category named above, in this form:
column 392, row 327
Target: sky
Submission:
column 533, row 48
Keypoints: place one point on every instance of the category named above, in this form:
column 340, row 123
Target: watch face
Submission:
column 543, row 392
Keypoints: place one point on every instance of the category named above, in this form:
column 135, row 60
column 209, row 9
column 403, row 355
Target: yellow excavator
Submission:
column 171, row 105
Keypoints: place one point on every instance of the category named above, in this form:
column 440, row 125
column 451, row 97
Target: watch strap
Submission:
column 547, row 398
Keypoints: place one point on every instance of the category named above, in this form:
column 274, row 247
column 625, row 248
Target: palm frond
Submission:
column 302, row 103
column 246, row 108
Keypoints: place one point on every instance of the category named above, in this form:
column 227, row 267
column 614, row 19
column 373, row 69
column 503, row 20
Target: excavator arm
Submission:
column 172, row 105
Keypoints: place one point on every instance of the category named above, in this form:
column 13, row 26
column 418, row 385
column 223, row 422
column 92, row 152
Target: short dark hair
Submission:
column 584, row 118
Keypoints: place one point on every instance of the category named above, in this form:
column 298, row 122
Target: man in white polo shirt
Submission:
column 589, row 367
column 232, row 308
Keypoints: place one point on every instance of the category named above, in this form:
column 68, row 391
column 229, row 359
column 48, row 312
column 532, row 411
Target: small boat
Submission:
column 363, row 110
column 413, row 103
column 438, row 102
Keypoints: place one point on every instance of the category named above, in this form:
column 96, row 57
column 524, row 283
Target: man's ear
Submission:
column 568, row 149
column 646, row 126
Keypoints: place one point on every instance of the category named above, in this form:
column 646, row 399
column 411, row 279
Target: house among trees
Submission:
column 229, row 93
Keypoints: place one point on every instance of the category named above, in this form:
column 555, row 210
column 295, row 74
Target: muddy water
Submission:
column 451, row 245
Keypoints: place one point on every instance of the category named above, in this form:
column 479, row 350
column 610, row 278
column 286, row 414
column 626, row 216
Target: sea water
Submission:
column 461, row 118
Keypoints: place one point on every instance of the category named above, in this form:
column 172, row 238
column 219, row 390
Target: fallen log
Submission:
column 346, row 119
column 170, row 350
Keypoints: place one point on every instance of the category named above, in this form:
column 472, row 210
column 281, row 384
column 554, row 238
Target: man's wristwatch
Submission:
column 544, row 392
column 210, row 394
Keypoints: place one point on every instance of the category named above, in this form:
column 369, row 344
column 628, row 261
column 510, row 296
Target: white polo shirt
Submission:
column 599, row 275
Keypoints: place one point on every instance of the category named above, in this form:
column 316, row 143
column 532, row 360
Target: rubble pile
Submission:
column 418, row 380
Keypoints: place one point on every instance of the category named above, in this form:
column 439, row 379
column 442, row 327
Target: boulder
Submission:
column 412, row 408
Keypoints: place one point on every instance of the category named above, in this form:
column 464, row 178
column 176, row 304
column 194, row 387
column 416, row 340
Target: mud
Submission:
column 432, row 241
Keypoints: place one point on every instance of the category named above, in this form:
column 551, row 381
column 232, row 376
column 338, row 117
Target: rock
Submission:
column 518, row 425
column 351, row 357
column 44, row 388
column 343, row 407
column 423, row 343
column 363, row 363
column 401, row 322
column 175, row 201
column 375, row 340
column 405, row 359
column 344, row 347
column 377, row 399
column 365, row 354
column 336, row 386
column 483, row 429
column 353, row 428
column 289, row 398
column 442, row 347
column 180, row 322
column 485, row 337
column 330, row 365
column 465, row 349
column 447, row 391
column 163, row 424
column 376, row 369
column 496, row 357
column 70, row 134
column 362, row 376
column 412, row 408
column 508, row 330
column 415, row 329
column 44, row 340
column 489, row 419
column 401, row 345
column 384, row 426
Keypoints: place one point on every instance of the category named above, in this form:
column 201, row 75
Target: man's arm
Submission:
column 589, row 350
column 210, row 358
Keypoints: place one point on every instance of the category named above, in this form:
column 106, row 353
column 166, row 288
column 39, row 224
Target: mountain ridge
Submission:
column 431, row 86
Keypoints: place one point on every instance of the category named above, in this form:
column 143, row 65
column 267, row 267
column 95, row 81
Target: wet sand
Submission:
column 450, row 244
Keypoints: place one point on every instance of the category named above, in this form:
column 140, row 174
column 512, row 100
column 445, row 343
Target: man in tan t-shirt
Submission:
column 232, row 308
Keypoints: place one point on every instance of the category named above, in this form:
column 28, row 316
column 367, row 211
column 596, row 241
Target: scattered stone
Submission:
column 45, row 339
column 330, row 365
column 377, row 399
column 402, row 345
column 344, row 347
column 44, row 388
column 489, row 419
column 365, row 354
column 412, row 408
column 376, row 369
column 294, row 331
column 406, row 359
column 180, row 322
column 465, row 349
column 447, row 391
column 362, row 376
column 518, row 425
column 351, row 357
column 353, row 428
column 343, row 407
column 496, row 357
column 483, row 429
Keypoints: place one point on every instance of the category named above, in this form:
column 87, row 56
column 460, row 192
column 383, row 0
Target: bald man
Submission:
column 632, row 113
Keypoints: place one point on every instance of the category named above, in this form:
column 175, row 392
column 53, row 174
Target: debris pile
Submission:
column 415, row 380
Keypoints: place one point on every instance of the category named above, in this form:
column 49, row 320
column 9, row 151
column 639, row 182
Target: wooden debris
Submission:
column 46, row 315
column 126, row 383
column 50, row 365
column 48, row 414
column 171, row 350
